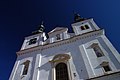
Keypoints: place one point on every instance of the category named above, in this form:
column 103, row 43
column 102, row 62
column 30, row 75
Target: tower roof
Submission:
column 41, row 29
column 78, row 18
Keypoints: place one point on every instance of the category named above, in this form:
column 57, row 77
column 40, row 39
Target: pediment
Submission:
column 60, row 57
column 104, row 63
column 58, row 29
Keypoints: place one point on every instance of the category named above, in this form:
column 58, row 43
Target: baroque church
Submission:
column 86, row 54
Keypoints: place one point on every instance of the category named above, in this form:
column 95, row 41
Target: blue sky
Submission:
column 18, row 18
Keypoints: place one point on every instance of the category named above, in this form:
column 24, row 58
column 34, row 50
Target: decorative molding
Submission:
column 58, row 29
column 60, row 58
column 62, row 42
column 105, row 75
column 104, row 63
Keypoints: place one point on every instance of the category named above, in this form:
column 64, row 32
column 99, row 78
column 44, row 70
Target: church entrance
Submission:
column 61, row 71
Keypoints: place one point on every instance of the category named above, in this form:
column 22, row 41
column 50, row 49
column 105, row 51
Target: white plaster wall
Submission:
column 109, row 77
column 83, row 61
column 92, row 62
column 40, row 37
column 92, row 26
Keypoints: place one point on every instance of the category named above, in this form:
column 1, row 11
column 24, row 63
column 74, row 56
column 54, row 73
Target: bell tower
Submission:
column 37, row 38
column 82, row 25
column 23, row 68
column 99, row 55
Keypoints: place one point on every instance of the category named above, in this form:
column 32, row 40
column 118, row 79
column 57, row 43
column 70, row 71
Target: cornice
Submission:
column 107, row 74
column 58, row 31
column 61, row 42
column 31, row 36
column 74, row 23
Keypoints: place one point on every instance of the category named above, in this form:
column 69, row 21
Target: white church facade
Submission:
column 86, row 54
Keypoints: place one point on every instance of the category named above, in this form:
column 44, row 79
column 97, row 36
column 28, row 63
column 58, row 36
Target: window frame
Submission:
column 107, row 67
column 84, row 27
column 32, row 41
column 103, row 64
column 58, row 37
column 60, row 70
column 98, row 53
column 56, row 61
column 26, row 63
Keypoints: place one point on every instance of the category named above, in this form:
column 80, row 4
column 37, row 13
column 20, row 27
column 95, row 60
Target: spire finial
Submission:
column 42, row 22
column 78, row 18
column 41, row 28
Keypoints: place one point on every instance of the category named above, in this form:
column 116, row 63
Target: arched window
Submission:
column 84, row 27
column 58, row 36
column 32, row 41
column 97, row 50
column 60, row 67
column 26, row 66
column 61, row 71
column 105, row 66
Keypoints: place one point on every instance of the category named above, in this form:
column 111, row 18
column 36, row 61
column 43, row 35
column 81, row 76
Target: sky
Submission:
column 18, row 18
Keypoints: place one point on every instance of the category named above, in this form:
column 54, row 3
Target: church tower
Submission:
column 86, row 54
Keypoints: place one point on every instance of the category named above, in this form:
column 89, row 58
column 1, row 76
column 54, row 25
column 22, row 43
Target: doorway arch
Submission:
column 61, row 71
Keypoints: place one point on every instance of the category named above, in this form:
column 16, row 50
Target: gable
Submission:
column 58, row 30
